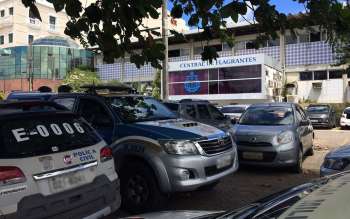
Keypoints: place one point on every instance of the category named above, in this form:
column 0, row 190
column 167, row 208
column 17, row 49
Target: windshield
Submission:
column 233, row 109
column 138, row 109
column 215, row 113
column 268, row 116
column 318, row 109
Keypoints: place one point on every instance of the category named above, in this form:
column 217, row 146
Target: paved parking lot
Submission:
column 250, row 184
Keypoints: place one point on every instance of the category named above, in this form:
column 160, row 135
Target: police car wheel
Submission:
column 139, row 188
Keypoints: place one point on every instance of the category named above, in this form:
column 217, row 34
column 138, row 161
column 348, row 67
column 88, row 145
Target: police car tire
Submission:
column 155, row 197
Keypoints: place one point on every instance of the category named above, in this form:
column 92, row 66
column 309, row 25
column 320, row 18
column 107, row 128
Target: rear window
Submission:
column 40, row 135
column 232, row 110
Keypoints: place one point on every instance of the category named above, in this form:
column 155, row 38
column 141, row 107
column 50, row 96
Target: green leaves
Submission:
column 58, row 4
column 176, row 11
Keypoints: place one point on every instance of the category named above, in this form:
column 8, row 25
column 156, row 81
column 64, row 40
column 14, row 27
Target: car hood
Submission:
column 178, row 215
column 176, row 129
column 317, row 115
column 343, row 151
column 259, row 129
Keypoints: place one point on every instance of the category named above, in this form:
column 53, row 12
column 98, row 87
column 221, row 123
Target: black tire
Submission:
column 139, row 188
column 298, row 167
column 209, row 187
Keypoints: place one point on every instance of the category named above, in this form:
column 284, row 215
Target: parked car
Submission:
column 53, row 164
column 336, row 161
column 234, row 111
column 345, row 118
column 156, row 153
column 323, row 198
column 274, row 134
column 201, row 111
column 322, row 115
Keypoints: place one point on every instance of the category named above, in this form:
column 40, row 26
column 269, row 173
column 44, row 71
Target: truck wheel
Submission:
column 139, row 188
column 298, row 167
column 209, row 187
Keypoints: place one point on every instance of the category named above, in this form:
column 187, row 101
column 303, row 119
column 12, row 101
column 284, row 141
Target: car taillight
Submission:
column 106, row 153
column 11, row 175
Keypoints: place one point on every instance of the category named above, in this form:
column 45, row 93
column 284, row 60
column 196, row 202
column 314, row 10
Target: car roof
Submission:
column 237, row 105
column 281, row 104
column 30, row 108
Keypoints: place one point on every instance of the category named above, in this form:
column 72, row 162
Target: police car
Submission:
column 53, row 164
column 156, row 153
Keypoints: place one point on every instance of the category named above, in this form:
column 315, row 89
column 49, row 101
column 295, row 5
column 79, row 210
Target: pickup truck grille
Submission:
column 217, row 145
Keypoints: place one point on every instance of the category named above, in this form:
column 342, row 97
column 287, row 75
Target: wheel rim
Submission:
column 138, row 191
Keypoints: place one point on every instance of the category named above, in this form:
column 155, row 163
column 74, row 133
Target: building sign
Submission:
column 218, row 63
column 191, row 83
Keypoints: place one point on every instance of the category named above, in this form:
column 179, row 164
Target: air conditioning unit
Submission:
column 317, row 85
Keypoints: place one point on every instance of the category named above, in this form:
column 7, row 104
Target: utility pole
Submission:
column 30, row 67
column 164, row 76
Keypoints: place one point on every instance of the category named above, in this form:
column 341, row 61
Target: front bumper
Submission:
column 345, row 123
column 202, row 169
column 319, row 124
column 94, row 200
column 275, row 156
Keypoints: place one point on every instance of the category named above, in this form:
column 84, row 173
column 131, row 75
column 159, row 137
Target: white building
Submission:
column 307, row 61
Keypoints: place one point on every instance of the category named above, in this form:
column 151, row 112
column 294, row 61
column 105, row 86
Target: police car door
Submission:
column 98, row 115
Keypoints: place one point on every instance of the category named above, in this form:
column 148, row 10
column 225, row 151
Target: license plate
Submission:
column 64, row 182
column 223, row 162
column 252, row 155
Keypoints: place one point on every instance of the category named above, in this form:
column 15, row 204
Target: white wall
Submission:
column 331, row 92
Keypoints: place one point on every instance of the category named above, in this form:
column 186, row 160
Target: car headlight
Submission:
column 336, row 163
column 285, row 137
column 180, row 147
column 323, row 116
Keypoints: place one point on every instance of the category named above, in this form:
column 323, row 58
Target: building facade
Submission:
column 306, row 60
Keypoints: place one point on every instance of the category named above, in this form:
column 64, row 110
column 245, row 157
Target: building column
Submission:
column 345, row 87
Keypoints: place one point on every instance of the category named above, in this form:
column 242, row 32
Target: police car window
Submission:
column 95, row 113
column 27, row 136
column 137, row 109
column 190, row 111
column 66, row 102
column 203, row 112
column 215, row 113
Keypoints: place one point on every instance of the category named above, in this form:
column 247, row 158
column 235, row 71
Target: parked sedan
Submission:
column 336, row 161
column 274, row 134
column 322, row 115
column 234, row 111
column 322, row 199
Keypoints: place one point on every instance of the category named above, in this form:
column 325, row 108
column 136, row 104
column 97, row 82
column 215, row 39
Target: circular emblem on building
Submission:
column 191, row 84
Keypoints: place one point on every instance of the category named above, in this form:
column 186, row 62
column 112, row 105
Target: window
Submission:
column 240, row 45
column 95, row 113
column 291, row 39
column 66, row 102
column 174, row 53
column 31, row 17
column 11, row 11
column 320, row 75
column 30, row 39
column 10, row 36
column 184, row 52
column 203, row 112
column 190, row 111
column 52, row 22
column 275, row 42
column 336, row 74
column 226, row 47
column 217, row 47
column 304, row 38
column 305, row 76
column 2, row 13
column 2, row 40
column 315, row 36
column 250, row 45
column 198, row 50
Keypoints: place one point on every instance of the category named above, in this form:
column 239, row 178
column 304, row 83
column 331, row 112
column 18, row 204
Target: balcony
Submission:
column 6, row 21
